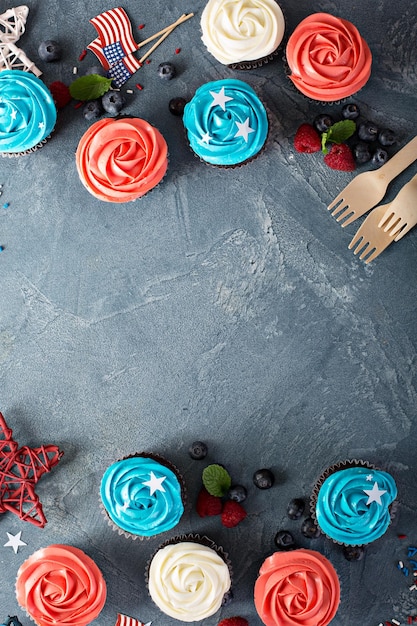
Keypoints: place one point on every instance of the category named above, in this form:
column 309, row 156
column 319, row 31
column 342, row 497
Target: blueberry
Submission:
column 284, row 540
column 387, row 137
column 310, row 529
column 49, row 51
column 198, row 450
column 92, row 110
column 166, row 71
column 176, row 106
column 263, row 479
column 368, row 131
column 323, row 122
column 96, row 69
column 113, row 102
column 350, row 111
column 379, row 157
column 295, row 508
column 237, row 493
column 353, row 553
column 362, row 152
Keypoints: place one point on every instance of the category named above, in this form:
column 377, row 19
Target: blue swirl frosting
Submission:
column 142, row 496
column 27, row 111
column 226, row 123
column 353, row 505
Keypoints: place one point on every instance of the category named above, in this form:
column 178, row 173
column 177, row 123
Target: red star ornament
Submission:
column 20, row 470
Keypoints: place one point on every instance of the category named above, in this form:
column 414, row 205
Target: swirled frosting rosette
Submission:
column 352, row 502
column 188, row 578
column 60, row 585
column 226, row 123
column 119, row 160
column 27, row 112
column 328, row 58
column 142, row 495
column 239, row 31
column 297, row 588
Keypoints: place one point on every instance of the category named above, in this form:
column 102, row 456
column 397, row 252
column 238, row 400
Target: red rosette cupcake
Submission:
column 61, row 585
column 297, row 588
column 328, row 59
column 120, row 160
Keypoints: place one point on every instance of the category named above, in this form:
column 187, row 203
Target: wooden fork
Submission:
column 402, row 215
column 387, row 223
column 368, row 188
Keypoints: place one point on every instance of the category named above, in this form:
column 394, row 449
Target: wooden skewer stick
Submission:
column 168, row 29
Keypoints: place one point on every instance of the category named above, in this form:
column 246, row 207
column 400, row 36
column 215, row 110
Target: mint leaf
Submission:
column 338, row 133
column 216, row 480
column 89, row 87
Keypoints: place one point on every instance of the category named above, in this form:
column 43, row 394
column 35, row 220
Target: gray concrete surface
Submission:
column 224, row 306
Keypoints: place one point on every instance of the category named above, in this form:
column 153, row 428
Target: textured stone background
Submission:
column 225, row 306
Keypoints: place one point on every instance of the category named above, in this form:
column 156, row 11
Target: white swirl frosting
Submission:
column 187, row 581
column 242, row 30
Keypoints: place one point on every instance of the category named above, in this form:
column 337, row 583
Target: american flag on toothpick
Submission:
column 124, row 620
column 115, row 38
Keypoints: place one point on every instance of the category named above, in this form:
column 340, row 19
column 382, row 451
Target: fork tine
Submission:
column 348, row 216
column 356, row 239
column 375, row 253
column 336, row 201
column 368, row 253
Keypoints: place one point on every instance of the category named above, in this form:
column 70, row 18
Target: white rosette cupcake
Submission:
column 353, row 502
column 242, row 34
column 189, row 578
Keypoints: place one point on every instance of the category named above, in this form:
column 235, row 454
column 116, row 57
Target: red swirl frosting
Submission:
column 328, row 58
column 60, row 585
column 121, row 160
column 297, row 588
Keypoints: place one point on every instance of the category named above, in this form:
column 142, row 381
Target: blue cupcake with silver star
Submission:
column 226, row 123
column 353, row 502
column 142, row 495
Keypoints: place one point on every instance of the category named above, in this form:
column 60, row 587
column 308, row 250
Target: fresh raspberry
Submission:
column 207, row 504
column 60, row 93
column 234, row 621
column 340, row 158
column 233, row 513
column 307, row 139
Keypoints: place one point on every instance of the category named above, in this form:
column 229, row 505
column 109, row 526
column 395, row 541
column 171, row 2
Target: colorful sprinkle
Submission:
column 141, row 26
column 82, row 55
column 147, row 61
column 78, row 105
column 6, row 205
column 402, row 536
column 129, row 90
column 396, row 622
column 178, row 50
column 74, row 70
column 139, row 86
column 412, row 551
column 400, row 565
column 1, row 248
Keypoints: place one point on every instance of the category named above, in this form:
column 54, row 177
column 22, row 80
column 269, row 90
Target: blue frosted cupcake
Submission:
column 142, row 495
column 27, row 112
column 226, row 123
column 353, row 502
